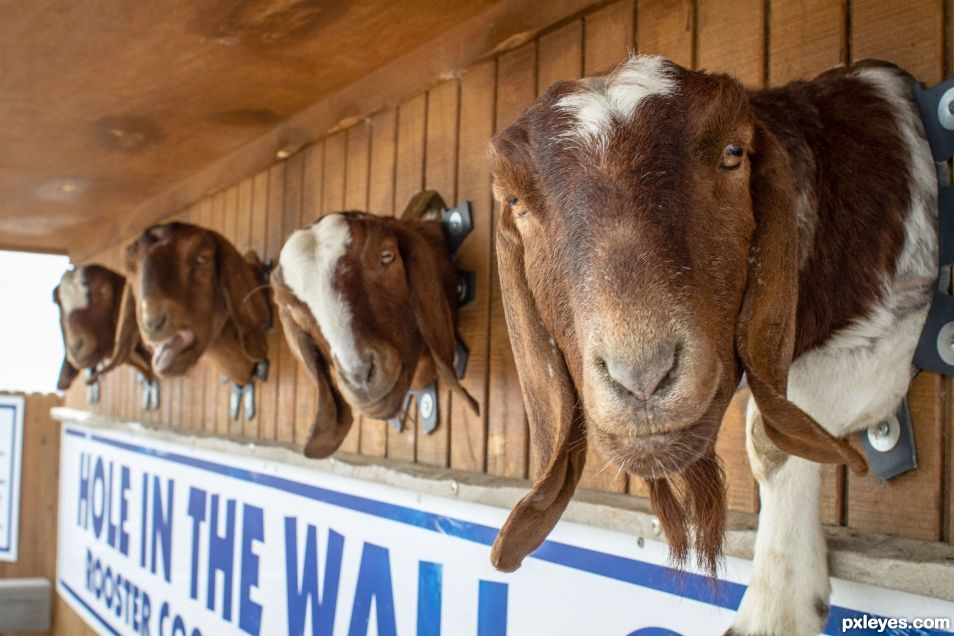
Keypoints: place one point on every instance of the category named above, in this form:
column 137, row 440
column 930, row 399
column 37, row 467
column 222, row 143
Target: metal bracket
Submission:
column 150, row 393
column 890, row 446
column 466, row 287
column 937, row 112
column 93, row 391
column 242, row 396
column 458, row 223
column 461, row 354
column 427, row 407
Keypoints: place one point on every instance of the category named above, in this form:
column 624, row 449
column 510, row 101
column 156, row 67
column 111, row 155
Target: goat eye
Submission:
column 387, row 257
column 512, row 201
column 732, row 156
column 201, row 259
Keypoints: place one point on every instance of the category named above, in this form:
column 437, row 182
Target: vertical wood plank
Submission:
column 806, row 37
column 242, row 241
column 408, row 181
column 258, row 241
column 306, row 400
column 194, row 407
column 560, row 55
column 608, row 36
column 909, row 505
column 507, row 432
column 440, row 174
column 374, row 434
column 910, row 34
column 477, row 95
column 665, row 27
column 731, row 39
column 207, row 370
column 274, row 208
column 286, row 373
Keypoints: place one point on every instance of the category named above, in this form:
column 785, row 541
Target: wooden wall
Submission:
column 38, row 508
column 437, row 139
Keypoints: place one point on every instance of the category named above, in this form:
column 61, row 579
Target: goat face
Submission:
column 647, row 255
column 195, row 293
column 367, row 304
column 88, row 298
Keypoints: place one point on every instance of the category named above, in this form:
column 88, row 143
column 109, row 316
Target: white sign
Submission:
column 162, row 538
column 11, row 461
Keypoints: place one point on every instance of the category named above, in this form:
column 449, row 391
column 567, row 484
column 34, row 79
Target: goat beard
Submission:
column 693, row 502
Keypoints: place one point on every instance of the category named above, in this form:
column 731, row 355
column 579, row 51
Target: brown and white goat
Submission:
column 89, row 298
column 191, row 293
column 368, row 306
column 663, row 230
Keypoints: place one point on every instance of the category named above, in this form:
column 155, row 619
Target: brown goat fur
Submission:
column 372, row 322
column 656, row 239
column 88, row 318
column 196, row 296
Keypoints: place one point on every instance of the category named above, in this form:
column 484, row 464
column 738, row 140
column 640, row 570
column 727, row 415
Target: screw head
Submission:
column 426, row 405
column 657, row 527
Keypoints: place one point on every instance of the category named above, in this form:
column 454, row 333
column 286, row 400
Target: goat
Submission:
column 663, row 230
column 368, row 306
column 197, row 295
column 88, row 298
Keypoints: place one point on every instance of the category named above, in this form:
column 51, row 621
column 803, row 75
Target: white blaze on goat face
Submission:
column 309, row 261
column 614, row 98
column 73, row 293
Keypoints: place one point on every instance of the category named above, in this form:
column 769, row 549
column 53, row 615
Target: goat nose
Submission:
column 643, row 378
column 154, row 323
column 76, row 346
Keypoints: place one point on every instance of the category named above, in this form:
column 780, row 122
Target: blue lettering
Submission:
column 197, row 512
column 111, row 527
column 162, row 527
column 374, row 584
column 221, row 551
column 492, row 609
column 429, row 579
column 98, row 481
column 124, row 511
column 82, row 504
column 144, row 528
column 250, row 612
column 305, row 595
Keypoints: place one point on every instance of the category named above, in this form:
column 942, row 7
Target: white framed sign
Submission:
column 11, row 465
column 158, row 537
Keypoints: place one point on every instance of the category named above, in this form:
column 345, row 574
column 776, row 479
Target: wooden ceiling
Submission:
column 105, row 104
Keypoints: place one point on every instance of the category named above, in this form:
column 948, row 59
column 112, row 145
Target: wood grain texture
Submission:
column 910, row 34
column 665, row 27
column 258, row 241
column 468, row 430
column 806, row 37
column 374, row 434
column 730, row 446
column 909, row 505
column 731, row 39
column 286, row 372
column 560, row 55
column 408, row 181
column 608, row 35
column 508, row 436
column 440, row 174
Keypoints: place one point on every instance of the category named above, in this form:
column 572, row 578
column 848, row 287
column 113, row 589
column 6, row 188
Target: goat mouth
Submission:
column 658, row 455
column 169, row 350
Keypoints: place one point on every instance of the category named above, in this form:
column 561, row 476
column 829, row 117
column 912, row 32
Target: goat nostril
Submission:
column 645, row 377
column 77, row 346
column 370, row 373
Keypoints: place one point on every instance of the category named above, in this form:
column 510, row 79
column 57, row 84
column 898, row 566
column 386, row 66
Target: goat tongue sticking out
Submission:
column 167, row 351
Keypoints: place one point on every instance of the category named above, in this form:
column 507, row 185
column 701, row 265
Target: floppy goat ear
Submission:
column 334, row 419
column 435, row 318
column 556, row 429
column 245, row 300
column 765, row 332
column 127, row 335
